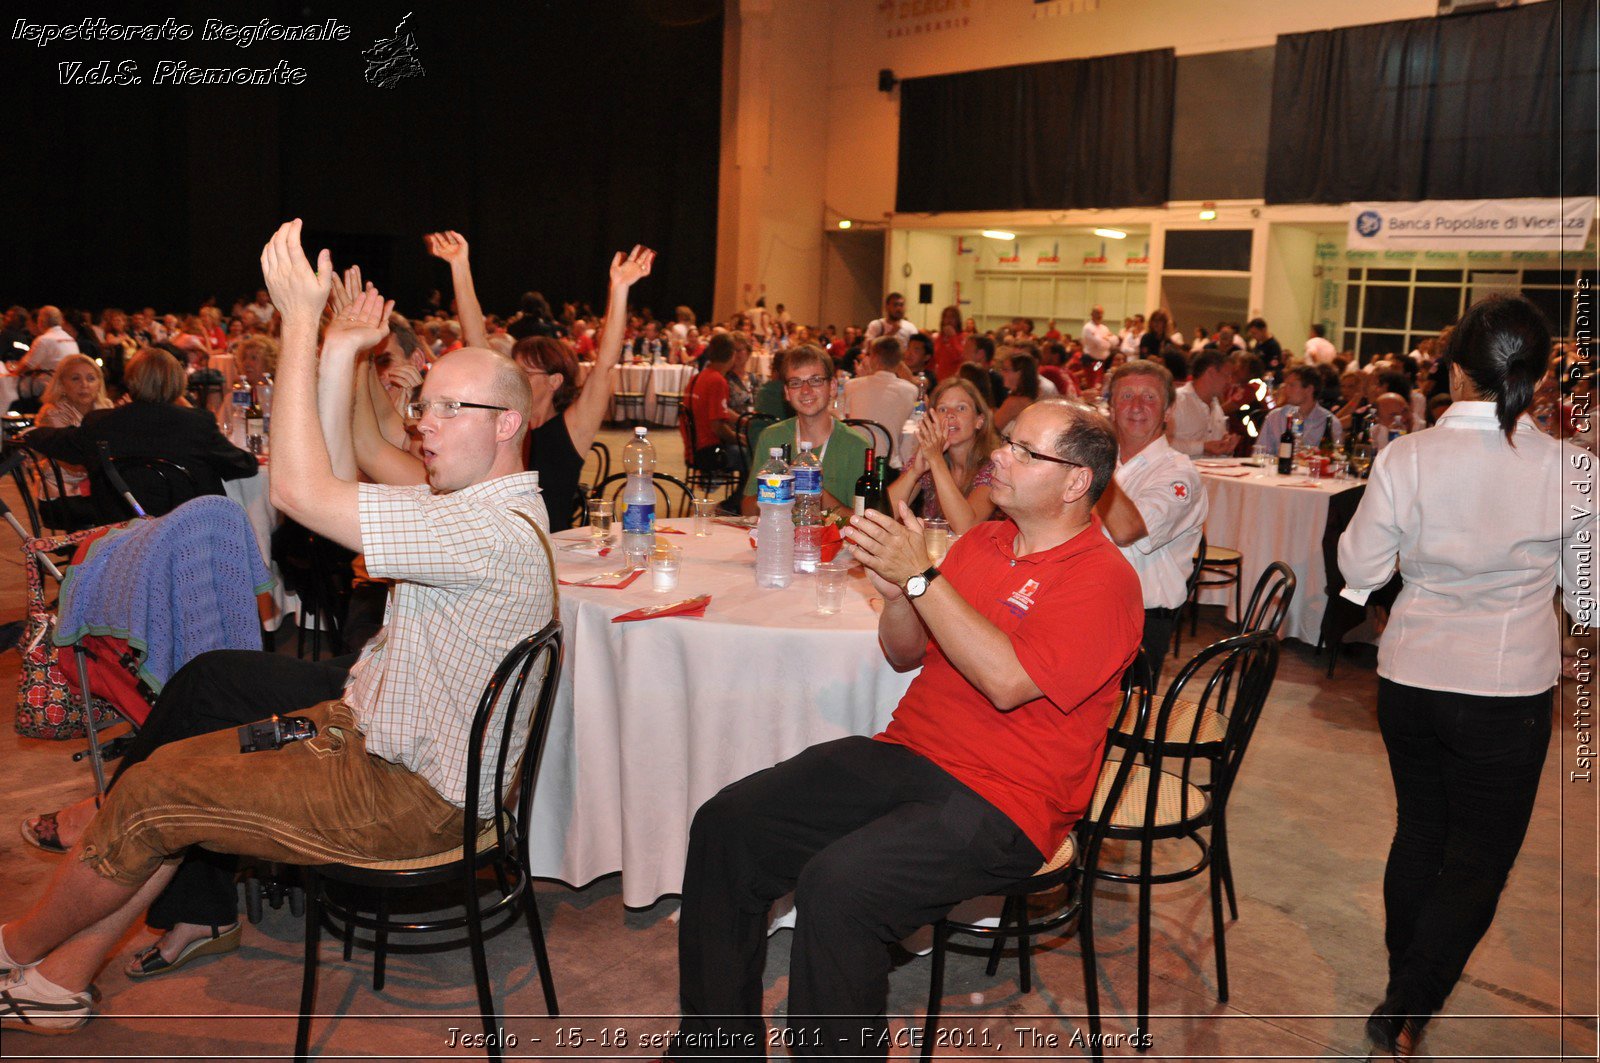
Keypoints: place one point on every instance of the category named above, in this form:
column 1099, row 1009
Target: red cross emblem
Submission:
column 1180, row 491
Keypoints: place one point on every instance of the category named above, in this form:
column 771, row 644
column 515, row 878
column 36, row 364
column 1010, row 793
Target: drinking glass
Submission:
column 665, row 562
column 705, row 510
column 1262, row 455
column 830, row 579
column 1361, row 459
column 599, row 520
column 936, row 533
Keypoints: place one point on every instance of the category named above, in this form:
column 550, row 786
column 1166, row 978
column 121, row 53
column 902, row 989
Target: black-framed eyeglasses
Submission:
column 812, row 383
column 445, row 408
column 1024, row 456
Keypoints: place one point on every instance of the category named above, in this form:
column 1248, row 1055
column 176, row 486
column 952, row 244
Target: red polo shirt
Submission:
column 1074, row 615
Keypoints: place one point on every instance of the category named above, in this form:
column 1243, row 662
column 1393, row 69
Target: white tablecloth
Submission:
column 251, row 493
column 1267, row 518
column 653, row 718
column 653, row 380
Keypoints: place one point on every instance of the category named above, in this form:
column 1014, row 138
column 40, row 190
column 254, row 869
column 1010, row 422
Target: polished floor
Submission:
column 1309, row 829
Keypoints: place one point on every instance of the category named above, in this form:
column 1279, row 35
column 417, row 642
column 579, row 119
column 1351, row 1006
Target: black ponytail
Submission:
column 1503, row 345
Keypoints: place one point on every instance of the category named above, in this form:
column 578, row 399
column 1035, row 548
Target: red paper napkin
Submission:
column 605, row 580
column 687, row 607
column 670, row 531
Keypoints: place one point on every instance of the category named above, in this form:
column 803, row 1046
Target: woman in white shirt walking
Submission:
column 1473, row 512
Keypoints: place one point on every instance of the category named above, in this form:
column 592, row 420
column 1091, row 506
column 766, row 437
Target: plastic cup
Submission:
column 599, row 519
column 665, row 562
column 705, row 510
column 831, row 579
column 936, row 534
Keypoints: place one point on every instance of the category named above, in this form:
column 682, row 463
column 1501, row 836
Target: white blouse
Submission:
column 1478, row 528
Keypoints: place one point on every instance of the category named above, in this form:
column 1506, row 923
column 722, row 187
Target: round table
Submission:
column 1267, row 518
column 652, row 381
column 653, row 718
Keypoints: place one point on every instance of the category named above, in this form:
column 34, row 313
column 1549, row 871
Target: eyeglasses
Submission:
column 1024, row 456
column 812, row 383
column 445, row 408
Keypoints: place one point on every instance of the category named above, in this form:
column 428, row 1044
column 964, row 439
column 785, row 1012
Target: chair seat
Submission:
column 1170, row 795
column 487, row 841
column 1063, row 856
column 1180, row 724
column 1222, row 555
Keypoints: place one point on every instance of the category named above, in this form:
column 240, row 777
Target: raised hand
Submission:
column 627, row 271
column 346, row 289
column 450, row 246
column 893, row 550
column 363, row 323
column 932, row 440
column 298, row 291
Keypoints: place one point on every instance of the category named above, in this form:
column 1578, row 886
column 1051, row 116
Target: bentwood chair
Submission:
column 705, row 477
column 1227, row 681
column 491, row 838
column 1190, row 589
column 1220, row 567
column 1073, row 868
column 882, row 441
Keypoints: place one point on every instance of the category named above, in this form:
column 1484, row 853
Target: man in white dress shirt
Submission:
column 1199, row 424
column 1318, row 350
column 51, row 343
column 1155, row 506
column 879, row 394
column 1300, row 400
column 892, row 323
column 1098, row 340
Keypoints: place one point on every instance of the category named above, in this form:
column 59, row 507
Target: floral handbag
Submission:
column 46, row 707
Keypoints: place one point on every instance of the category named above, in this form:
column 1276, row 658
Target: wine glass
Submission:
column 1361, row 459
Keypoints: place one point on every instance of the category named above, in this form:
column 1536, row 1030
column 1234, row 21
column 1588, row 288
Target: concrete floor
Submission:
column 1310, row 823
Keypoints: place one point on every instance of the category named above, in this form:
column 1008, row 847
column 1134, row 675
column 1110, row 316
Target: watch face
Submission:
column 916, row 585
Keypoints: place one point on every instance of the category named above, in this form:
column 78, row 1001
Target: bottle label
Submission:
column 775, row 490
column 860, row 504
column 639, row 518
column 808, row 480
column 1286, row 450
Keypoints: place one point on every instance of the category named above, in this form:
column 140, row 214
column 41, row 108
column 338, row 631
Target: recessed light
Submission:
column 1111, row 234
column 999, row 234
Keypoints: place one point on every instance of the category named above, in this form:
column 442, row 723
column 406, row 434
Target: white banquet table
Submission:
column 252, row 493
column 654, row 381
column 1267, row 518
column 652, row 718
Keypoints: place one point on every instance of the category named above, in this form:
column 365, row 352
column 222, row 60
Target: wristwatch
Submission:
column 917, row 585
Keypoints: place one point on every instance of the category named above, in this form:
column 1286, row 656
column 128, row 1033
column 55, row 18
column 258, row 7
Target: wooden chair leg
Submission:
column 930, row 1025
column 308, row 982
column 1091, row 984
column 380, row 942
column 480, row 965
column 541, row 958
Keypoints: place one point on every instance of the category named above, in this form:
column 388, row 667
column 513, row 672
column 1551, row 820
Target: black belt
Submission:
column 1162, row 614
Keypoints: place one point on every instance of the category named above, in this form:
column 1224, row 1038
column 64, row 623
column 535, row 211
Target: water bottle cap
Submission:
column 774, row 452
column 640, row 431
column 805, row 446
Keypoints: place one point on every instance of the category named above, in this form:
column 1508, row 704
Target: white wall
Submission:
column 1290, row 302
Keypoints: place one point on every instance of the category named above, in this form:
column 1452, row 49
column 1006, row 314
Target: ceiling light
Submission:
column 844, row 223
column 999, row 234
column 1208, row 215
column 1111, row 234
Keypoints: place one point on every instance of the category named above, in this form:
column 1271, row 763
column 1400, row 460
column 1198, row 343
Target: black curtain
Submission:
column 550, row 133
column 1080, row 133
column 1490, row 105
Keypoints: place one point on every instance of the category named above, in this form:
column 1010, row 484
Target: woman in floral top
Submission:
column 951, row 470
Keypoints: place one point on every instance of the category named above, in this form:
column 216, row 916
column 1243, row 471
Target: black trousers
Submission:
column 1158, row 627
column 214, row 692
column 1466, row 771
column 875, row 841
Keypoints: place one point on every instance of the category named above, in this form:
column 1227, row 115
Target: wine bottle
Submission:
column 1286, row 451
column 866, row 487
column 881, row 478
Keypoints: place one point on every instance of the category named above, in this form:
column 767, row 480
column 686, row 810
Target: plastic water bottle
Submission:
column 264, row 400
column 841, row 408
column 238, row 410
column 807, row 510
column 775, row 528
column 639, row 499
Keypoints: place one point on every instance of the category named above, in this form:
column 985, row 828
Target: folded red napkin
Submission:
column 606, row 580
column 687, row 607
column 1208, row 471
column 831, row 542
column 669, row 531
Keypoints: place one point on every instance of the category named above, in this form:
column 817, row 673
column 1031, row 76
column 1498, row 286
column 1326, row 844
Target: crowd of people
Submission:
column 443, row 449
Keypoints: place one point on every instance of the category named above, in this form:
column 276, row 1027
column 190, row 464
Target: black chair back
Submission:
column 674, row 498
column 160, row 485
column 1269, row 602
column 882, row 441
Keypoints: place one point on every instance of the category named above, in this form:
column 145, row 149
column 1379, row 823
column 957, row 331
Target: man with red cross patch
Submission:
column 1155, row 507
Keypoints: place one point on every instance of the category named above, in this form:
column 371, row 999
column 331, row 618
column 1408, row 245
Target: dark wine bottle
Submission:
column 1286, row 450
column 881, row 477
column 866, row 487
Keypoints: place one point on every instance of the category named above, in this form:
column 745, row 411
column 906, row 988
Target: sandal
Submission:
column 44, row 832
column 148, row 961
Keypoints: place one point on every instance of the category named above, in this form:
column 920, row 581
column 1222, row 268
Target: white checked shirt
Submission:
column 1196, row 422
column 472, row 579
column 1479, row 529
column 1165, row 487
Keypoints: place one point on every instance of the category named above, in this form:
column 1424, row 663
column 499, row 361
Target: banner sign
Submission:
column 1473, row 224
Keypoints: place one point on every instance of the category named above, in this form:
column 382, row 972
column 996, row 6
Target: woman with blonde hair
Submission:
column 76, row 387
column 951, row 469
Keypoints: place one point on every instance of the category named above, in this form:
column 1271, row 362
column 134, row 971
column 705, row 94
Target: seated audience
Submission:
column 51, row 343
column 1019, row 371
column 991, row 756
column 1199, row 423
column 771, row 401
column 950, row 472
column 715, row 443
column 1155, row 507
column 75, row 388
column 1300, row 400
column 151, row 425
column 807, row 382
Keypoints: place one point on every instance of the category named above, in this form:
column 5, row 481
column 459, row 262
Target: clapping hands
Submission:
column 298, row 291
column 362, row 322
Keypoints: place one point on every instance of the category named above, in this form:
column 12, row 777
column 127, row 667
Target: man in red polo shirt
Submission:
column 989, row 760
